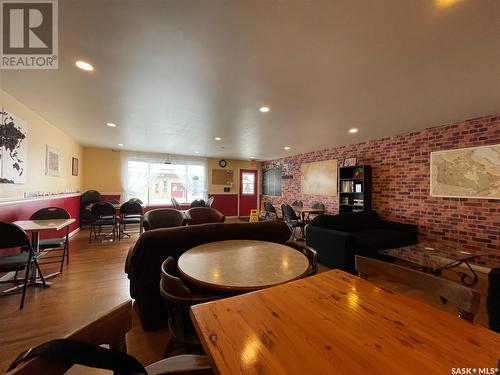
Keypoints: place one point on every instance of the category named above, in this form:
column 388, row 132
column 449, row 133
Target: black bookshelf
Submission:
column 355, row 188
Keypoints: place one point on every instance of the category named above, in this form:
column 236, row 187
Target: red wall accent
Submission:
column 226, row 203
column 400, row 169
column 22, row 210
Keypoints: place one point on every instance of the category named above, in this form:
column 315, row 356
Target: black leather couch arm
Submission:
column 335, row 249
column 399, row 226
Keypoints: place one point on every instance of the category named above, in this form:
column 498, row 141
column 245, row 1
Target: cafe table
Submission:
column 238, row 266
column 338, row 323
column 35, row 227
column 302, row 211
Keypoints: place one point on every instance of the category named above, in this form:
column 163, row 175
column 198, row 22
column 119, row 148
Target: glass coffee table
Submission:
column 434, row 259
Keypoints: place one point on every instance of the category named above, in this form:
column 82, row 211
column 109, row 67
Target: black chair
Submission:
column 59, row 355
column 176, row 204
column 131, row 212
column 271, row 212
column 297, row 203
column 87, row 199
column 163, row 218
column 493, row 300
column 292, row 220
column 105, row 215
column 178, row 300
column 54, row 244
column 312, row 215
column 198, row 203
column 11, row 236
column 210, row 201
column 136, row 200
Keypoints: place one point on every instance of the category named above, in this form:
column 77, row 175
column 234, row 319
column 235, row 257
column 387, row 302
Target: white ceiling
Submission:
column 175, row 74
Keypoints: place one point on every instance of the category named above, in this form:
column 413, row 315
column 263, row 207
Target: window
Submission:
column 156, row 182
column 248, row 183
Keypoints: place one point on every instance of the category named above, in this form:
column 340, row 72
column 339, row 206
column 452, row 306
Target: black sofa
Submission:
column 338, row 238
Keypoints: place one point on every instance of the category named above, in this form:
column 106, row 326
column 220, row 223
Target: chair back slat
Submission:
column 198, row 203
column 175, row 203
column 12, row 236
column 210, row 201
column 318, row 206
column 269, row 208
column 90, row 196
column 103, row 209
column 289, row 213
column 50, row 213
column 465, row 299
column 131, row 208
column 171, row 284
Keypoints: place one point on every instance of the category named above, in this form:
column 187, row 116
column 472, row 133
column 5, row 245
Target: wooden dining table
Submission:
column 241, row 265
column 338, row 323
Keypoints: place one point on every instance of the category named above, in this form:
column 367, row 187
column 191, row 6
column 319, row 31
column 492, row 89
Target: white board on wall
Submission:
column 319, row 178
column 13, row 148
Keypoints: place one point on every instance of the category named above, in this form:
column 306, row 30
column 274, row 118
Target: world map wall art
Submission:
column 467, row 172
column 13, row 148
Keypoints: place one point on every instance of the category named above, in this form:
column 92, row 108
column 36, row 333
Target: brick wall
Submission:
column 400, row 170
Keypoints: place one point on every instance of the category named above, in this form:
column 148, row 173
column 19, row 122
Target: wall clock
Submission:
column 222, row 163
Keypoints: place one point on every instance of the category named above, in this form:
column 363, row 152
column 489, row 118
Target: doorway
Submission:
column 248, row 191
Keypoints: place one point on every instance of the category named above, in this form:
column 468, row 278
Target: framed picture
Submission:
column 52, row 162
column 74, row 166
column 350, row 162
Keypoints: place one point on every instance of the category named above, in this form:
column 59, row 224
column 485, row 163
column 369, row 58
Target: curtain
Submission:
column 140, row 171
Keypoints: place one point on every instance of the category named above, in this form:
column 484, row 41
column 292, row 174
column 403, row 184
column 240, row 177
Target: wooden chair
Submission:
column 110, row 329
column 309, row 252
column 179, row 298
column 465, row 299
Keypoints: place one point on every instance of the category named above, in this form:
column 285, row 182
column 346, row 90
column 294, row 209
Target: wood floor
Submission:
column 93, row 283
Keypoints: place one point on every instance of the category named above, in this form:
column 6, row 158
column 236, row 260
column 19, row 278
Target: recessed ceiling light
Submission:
column 120, row 144
column 84, row 66
column 218, row 138
column 111, row 125
column 287, row 147
column 264, row 109
column 353, row 130
column 197, row 152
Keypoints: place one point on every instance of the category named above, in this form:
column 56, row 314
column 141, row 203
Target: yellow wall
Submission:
column 40, row 134
column 235, row 166
column 102, row 170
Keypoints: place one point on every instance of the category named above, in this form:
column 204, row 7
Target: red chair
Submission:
column 204, row 215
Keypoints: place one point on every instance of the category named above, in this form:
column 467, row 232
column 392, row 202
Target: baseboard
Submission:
column 72, row 233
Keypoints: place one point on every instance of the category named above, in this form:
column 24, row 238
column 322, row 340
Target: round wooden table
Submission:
column 242, row 265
